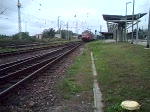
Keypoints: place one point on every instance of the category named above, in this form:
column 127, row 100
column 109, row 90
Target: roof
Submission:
column 120, row 17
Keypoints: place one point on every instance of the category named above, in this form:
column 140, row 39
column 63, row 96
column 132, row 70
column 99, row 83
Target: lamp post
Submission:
column 148, row 36
column 132, row 21
column 126, row 22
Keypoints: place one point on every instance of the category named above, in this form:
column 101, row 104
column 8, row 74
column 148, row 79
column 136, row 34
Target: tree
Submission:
column 140, row 33
column 24, row 35
column 48, row 33
column 3, row 36
column 63, row 34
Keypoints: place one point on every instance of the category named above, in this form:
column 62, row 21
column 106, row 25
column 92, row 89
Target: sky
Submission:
column 37, row 15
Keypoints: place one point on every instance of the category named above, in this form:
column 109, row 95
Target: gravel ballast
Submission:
column 40, row 95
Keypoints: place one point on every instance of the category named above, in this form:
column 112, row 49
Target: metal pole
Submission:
column 126, row 24
column 127, row 35
column 67, row 31
column 25, row 26
column 116, row 32
column 19, row 19
column 58, row 24
column 60, row 29
column 137, row 32
column 70, row 33
column 134, row 24
column 108, row 26
column 148, row 36
column 100, row 28
column 87, row 21
column 132, row 21
column 76, row 25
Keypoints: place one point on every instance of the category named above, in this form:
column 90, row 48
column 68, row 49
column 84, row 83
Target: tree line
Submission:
column 47, row 33
column 50, row 33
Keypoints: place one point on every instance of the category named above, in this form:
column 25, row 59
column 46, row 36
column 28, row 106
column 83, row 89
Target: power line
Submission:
column 36, row 3
column 38, row 21
column 3, row 11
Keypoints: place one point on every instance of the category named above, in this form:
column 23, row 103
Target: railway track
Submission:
column 21, row 46
column 4, row 54
column 17, row 46
column 13, row 74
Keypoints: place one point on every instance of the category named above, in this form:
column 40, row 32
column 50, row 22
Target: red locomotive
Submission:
column 87, row 36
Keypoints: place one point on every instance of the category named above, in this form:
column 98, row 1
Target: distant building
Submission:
column 58, row 35
column 75, row 38
column 38, row 36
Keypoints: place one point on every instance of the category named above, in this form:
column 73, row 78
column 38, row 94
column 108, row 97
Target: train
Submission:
column 87, row 36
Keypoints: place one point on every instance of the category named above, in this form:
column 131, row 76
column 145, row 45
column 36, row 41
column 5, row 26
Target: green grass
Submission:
column 124, row 74
column 69, row 87
column 78, row 77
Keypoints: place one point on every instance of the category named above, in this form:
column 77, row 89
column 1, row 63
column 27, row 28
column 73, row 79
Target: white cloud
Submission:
column 37, row 15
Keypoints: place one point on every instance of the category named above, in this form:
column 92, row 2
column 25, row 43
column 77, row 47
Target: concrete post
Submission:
column 120, row 32
column 137, row 32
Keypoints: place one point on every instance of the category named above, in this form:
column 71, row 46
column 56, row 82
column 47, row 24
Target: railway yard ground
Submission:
column 123, row 73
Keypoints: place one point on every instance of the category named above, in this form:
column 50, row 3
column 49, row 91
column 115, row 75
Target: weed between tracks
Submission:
column 124, row 74
column 2, row 50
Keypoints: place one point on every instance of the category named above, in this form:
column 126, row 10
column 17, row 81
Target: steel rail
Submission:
column 32, row 49
column 15, row 64
column 40, row 67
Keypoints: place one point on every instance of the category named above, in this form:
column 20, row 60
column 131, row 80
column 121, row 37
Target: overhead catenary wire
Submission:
column 31, row 19
column 3, row 11
column 36, row 3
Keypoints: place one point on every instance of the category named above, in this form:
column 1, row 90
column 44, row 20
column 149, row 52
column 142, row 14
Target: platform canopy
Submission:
column 121, row 20
column 120, row 17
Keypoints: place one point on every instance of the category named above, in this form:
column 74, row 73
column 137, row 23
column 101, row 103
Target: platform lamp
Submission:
column 126, row 21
